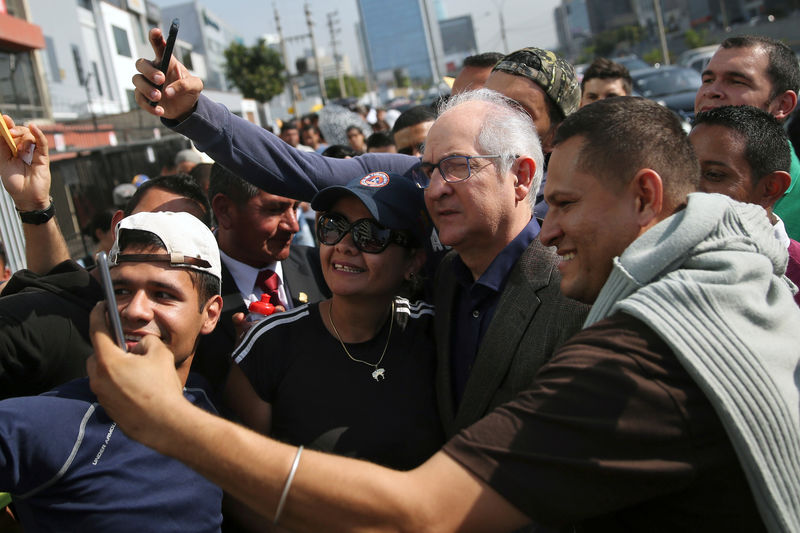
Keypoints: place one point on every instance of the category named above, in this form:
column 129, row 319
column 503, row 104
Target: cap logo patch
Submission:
column 375, row 179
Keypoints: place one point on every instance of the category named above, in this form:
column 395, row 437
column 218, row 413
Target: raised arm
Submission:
column 245, row 148
column 142, row 393
column 29, row 187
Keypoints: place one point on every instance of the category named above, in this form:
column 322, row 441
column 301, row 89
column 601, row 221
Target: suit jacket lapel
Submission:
column 302, row 273
column 515, row 310
column 231, row 303
column 445, row 293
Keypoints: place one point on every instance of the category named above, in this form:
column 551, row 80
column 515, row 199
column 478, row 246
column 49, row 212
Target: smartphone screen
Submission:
column 111, row 300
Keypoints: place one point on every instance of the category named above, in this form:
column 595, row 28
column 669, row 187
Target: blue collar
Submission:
column 494, row 278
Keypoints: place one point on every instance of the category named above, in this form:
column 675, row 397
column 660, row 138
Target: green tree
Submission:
column 695, row 39
column 610, row 41
column 257, row 71
column 352, row 85
column 401, row 79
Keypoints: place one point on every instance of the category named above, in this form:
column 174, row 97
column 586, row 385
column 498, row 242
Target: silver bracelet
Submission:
column 288, row 484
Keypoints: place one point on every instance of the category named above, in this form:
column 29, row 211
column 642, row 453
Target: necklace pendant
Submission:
column 379, row 374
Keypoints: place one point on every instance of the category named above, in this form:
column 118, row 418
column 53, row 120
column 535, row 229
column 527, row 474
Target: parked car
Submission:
column 631, row 62
column 671, row 86
column 689, row 55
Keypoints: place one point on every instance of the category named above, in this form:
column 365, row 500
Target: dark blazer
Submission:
column 532, row 319
column 303, row 281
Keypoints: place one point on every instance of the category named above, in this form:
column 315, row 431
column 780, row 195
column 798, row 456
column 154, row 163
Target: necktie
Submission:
column 267, row 281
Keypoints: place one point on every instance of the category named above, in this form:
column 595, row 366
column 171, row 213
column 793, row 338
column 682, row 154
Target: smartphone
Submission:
column 167, row 55
column 111, row 300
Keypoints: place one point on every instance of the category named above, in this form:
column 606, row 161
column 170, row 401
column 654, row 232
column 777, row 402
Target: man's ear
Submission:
column 222, row 207
column 524, row 169
column 782, row 105
column 648, row 191
column 119, row 215
column 772, row 187
column 212, row 311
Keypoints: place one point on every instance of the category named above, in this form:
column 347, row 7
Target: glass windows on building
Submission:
column 121, row 39
column 19, row 96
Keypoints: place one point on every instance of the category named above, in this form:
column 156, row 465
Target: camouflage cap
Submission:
column 555, row 75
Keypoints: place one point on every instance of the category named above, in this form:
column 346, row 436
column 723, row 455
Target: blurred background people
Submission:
column 355, row 137
column 604, row 79
column 475, row 70
column 381, row 141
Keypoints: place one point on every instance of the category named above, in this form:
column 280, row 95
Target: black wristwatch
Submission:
column 38, row 216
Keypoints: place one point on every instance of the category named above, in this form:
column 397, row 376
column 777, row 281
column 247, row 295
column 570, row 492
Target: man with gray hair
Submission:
column 499, row 311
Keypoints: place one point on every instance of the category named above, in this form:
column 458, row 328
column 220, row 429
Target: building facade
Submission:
column 91, row 48
column 458, row 38
column 209, row 36
column 402, row 37
column 22, row 92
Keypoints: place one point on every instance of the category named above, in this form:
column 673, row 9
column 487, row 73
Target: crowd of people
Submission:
column 538, row 306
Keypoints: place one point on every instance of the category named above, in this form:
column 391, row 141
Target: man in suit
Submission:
column 254, row 232
column 499, row 309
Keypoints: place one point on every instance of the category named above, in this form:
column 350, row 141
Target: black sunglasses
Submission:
column 368, row 235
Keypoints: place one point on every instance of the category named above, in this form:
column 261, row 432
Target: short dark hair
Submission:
column 313, row 128
column 289, row 125
column 207, row 284
column 605, row 69
column 180, row 184
column 339, row 151
column 783, row 70
column 223, row 181
column 484, row 60
column 413, row 116
column 766, row 144
column 624, row 134
column 379, row 139
column 354, row 127
column 101, row 220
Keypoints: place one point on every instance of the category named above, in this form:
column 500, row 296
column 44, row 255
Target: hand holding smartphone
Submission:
column 111, row 300
column 167, row 55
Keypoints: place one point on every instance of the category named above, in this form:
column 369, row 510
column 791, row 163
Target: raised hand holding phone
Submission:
column 181, row 89
column 167, row 55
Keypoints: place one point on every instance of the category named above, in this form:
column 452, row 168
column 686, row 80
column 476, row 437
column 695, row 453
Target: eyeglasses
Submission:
column 453, row 169
column 368, row 235
column 414, row 149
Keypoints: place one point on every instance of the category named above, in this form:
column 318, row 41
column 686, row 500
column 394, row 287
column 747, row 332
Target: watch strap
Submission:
column 38, row 216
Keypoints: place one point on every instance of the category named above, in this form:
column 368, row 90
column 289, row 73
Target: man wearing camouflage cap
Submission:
column 544, row 84
column 546, row 87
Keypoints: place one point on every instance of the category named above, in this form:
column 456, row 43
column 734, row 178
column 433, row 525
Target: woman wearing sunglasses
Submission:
column 352, row 375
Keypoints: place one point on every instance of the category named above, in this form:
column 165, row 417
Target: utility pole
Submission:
column 661, row 34
column 321, row 82
column 502, row 26
column 724, row 14
column 332, row 21
column 285, row 60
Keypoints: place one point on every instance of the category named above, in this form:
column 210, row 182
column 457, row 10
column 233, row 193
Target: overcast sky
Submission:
column 528, row 22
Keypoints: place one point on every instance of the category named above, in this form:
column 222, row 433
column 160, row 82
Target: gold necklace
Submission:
column 379, row 373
